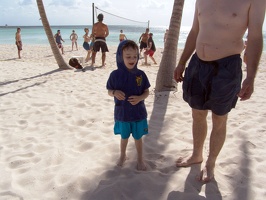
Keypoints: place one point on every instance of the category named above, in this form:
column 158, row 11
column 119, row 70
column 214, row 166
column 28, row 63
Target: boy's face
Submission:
column 130, row 57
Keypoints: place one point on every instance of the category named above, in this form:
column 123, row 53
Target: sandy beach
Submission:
column 57, row 141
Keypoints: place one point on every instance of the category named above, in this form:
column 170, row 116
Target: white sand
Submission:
column 57, row 141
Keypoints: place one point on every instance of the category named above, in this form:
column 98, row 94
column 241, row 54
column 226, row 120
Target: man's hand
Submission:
column 178, row 73
column 246, row 90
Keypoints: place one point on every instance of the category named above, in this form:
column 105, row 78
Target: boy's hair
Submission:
column 130, row 44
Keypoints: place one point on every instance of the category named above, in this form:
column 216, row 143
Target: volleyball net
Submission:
column 114, row 19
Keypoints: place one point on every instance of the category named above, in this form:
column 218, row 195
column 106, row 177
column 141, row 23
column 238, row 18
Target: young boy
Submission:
column 129, row 86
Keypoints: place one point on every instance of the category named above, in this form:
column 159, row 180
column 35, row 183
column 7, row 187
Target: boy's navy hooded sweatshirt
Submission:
column 133, row 82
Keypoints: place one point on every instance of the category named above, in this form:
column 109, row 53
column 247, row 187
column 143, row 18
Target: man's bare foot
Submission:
column 121, row 161
column 186, row 162
column 206, row 175
column 141, row 166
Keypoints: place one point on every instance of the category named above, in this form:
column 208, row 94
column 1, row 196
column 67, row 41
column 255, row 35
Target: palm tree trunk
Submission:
column 58, row 57
column 164, row 79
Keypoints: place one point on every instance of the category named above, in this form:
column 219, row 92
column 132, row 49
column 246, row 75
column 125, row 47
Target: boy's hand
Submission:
column 119, row 95
column 134, row 100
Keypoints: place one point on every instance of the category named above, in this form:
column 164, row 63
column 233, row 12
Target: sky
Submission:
column 79, row 12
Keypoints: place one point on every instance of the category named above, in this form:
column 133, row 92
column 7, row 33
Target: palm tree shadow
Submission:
column 117, row 182
column 29, row 78
column 37, row 76
column 9, row 59
column 155, row 148
column 193, row 187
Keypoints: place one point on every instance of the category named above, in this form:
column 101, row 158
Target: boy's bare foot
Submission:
column 121, row 161
column 141, row 166
column 186, row 162
column 206, row 175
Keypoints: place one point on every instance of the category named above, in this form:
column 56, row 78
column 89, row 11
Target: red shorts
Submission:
column 149, row 52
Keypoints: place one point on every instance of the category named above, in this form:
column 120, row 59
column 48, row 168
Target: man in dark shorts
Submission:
column 100, row 31
column 58, row 39
column 212, row 80
column 207, row 81
column 143, row 40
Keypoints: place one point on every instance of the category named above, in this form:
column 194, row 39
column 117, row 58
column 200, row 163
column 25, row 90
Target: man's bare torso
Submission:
column 18, row 36
column 100, row 30
column 222, row 24
column 145, row 37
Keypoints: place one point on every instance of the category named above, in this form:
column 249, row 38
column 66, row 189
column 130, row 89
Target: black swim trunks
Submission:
column 213, row 85
column 100, row 43
column 143, row 45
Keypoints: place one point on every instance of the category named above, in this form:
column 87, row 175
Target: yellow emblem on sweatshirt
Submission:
column 139, row 80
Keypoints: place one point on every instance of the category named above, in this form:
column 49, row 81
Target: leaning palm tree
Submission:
column 58, row 57
column 164, row 80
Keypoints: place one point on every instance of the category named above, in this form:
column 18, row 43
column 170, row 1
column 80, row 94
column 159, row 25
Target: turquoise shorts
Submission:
column 137, row 128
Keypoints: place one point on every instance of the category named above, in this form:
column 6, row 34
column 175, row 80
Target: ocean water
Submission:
column 36, row 34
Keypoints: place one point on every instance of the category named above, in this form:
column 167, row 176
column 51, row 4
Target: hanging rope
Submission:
column 118, row 16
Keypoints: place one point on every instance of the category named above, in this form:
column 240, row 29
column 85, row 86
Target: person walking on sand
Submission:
column 143, row 40
column 130, row 87
column 212, row 80
column 100, row 32
column 150, row 50
column 18, row 41
column 74, row 37
column 86, row 44
column 122, row 36
column 58, row 40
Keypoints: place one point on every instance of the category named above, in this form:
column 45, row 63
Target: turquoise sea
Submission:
column 36, row 34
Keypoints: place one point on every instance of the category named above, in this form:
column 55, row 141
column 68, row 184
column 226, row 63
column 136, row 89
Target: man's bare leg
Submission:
column 140, row 164
column 19, row 54
column 199, row 131
column 123, row 147
column 93, row 57
column 217, row 139
column 103, row 59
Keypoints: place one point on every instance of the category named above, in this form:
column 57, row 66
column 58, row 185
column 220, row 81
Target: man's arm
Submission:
column 190, row 46
column 107, row 31
column 140, row 37
column 254, row 46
